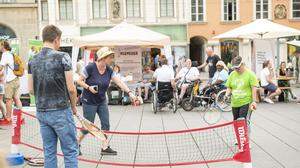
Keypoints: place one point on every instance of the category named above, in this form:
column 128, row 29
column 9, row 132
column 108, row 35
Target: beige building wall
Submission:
column 25, row 1
column 215, row 26
column 22, row 18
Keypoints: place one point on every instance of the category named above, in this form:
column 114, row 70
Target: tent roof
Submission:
column 294, row 43
column 123, row 34
column 260, row 29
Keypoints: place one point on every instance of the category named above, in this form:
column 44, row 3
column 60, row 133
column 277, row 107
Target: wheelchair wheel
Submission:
column 187, row 105
column 154, row 102
column 222, row 103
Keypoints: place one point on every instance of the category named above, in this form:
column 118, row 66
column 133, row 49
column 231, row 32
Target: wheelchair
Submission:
column 202, row 98
column 164, row 96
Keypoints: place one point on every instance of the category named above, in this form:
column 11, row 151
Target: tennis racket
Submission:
column 91, row 128
column 248, row 118
column 212, row 115
column 34, row 161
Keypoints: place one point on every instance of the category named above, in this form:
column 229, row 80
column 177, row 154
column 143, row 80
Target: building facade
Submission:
column 19, row 23
column 82, row 17
column 191, row 24
column 212, row 17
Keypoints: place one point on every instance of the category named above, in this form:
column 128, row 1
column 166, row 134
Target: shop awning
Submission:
column 260, row 29
column 294, row 43
column 123, row 34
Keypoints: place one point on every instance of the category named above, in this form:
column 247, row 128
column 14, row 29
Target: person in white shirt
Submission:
column 12, row 83
column 221, row 75
column 186, row 75
column 266, row 81
column 164, row 73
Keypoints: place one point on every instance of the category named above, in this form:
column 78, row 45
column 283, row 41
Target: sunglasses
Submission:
column 237, row 68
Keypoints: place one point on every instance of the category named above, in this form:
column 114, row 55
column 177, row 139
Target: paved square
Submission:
column 275, row 136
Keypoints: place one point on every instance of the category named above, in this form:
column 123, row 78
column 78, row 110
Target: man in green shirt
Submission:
column 241, row 85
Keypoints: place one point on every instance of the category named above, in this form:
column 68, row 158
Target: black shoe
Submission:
column 108, row 151
column 79, row 150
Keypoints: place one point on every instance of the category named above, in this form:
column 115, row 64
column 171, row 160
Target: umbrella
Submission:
column 260, row 29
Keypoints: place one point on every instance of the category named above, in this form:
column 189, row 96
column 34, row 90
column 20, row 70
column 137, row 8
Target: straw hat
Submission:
column 104, row 52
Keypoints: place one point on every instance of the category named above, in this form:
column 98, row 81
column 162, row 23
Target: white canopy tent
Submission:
column 294, row 43
column 260, row 29
column 123, row 34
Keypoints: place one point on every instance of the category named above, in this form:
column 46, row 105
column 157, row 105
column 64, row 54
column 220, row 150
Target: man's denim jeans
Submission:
column 60, row 125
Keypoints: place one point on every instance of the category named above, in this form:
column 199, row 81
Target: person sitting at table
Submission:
column 146, row 82
column 284, row 83
column 266, row 80
column 186, row 75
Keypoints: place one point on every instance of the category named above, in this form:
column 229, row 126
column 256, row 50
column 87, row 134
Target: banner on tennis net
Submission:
column 219, row 143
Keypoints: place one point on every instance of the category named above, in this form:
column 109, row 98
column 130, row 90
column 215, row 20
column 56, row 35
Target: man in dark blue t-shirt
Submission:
column 211, row 61
column 51, row 82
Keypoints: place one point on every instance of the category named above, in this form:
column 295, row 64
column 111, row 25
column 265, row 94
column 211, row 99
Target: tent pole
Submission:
column 278, row 55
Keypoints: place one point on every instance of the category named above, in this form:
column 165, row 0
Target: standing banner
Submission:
column 14, row 44
column 35, row 46
column 264, row 50
column 129, row 58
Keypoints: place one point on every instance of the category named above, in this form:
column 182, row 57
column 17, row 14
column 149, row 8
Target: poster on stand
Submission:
column 264, row 50
column 129, row 58
column 35, row 47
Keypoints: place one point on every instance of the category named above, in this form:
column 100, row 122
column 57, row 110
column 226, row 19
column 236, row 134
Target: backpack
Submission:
column 18, row 66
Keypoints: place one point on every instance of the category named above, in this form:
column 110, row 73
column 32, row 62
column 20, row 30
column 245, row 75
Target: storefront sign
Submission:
column 66, row 41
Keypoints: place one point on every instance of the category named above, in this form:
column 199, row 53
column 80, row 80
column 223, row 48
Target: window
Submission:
column 65, row 9
column 296, row 9
column 133, row 8
column 99, row 9
column 44, row 6
column 229, row 10
column 166, row 8
column 262, row 9
column 198, row 10
column 7, row 1
column 229, row 50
